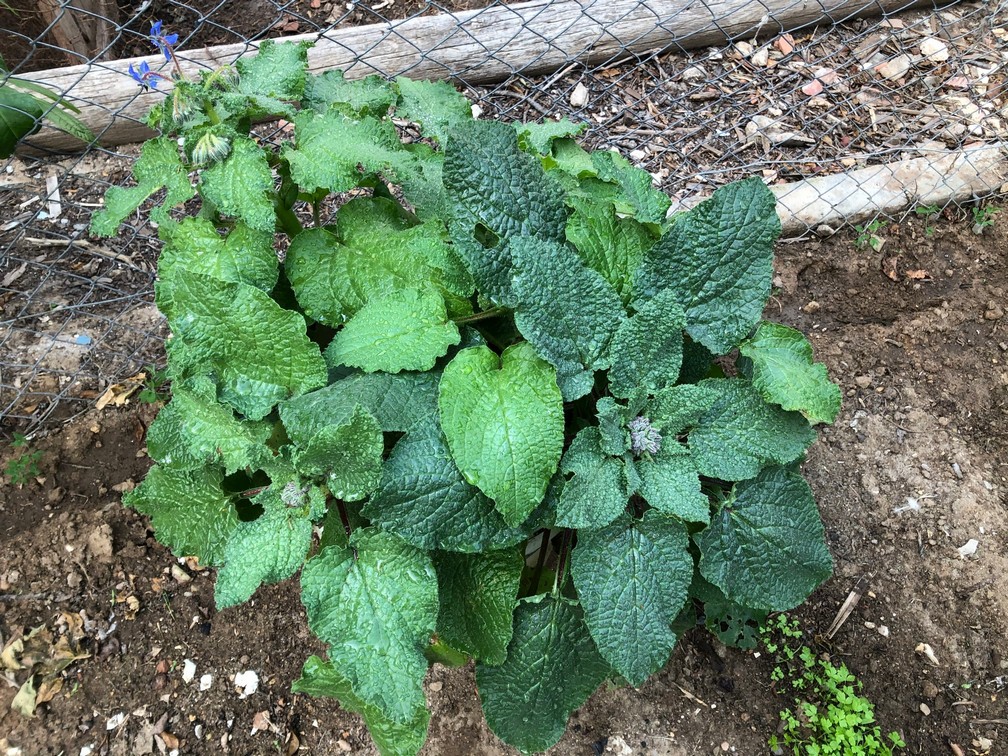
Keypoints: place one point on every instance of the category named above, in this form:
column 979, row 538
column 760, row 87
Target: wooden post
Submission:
column 478, row 46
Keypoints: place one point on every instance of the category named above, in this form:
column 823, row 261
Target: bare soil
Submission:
column 915, row 335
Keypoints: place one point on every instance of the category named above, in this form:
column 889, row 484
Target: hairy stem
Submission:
column 565, row 542
column 493, row 312
column 346, row 524
column 540, row 559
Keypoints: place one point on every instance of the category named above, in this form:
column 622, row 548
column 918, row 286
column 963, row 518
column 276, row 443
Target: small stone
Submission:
column 895, row 68
column 863, row 381
column 343, row 745
column 205, row 682
column 993, row 311
column 579, row 97
column 181, row 576
column 694, row 73
column 934, row 50
column 725, row 746
column 436, row 686
column 247, row 683
column 188, row 671
column 930, row 690
column 925, row 710
column 812, row 307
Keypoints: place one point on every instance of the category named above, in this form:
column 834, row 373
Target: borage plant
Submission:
column 486, row 367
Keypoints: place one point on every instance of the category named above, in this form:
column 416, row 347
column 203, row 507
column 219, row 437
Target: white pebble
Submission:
column 247, row 683
column 115, row 721
column 205, row 682
column 969, row 548
column 188, row 671
column 579, row 97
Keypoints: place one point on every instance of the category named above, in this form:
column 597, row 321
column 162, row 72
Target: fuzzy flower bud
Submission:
column 643, row 438
column 292, row 495
column 210, row 149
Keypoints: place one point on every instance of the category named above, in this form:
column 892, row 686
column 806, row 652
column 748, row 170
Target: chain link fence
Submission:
column 849, row 110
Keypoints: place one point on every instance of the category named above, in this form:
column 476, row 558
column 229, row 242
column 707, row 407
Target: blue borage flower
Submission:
column 162, row 41
column 143, row 75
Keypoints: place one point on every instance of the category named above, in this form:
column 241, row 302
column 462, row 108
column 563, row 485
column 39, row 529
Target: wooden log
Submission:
column 478, row 46
column 886, row 190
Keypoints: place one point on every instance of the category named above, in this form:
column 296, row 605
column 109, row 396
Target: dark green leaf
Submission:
column 345, row 456
column 595, row 491
column 647, row 347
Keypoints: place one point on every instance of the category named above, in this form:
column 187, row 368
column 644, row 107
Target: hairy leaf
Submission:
column 276, row 76
column 376, row 603
column 347, row 456
column 594, row 491
column 647, row 347
column 552, row 666
column 243, row 255
column 636, row 185
column 20, row 115
column 538, row 137
column 717, row 258
column 633, row 577
column 765, row 547
column 372, row 95
column 435, row 105
column 241, row 185
column 669, row 482
column 503, row 418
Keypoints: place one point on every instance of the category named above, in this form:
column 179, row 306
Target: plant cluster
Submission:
column 24, row 467
column 486, row 367
column 829, row 716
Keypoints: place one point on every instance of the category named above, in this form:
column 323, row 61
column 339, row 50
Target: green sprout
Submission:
column 23, row 468
column 867, row 235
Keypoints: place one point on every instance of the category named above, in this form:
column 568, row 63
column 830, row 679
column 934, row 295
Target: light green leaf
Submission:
column 243, row 255
column 765, row 548
column 741, row 433
column 669, row 482
column 782, row 371
column 538, row 137
column 20, row 115
column 633, row 577
column 595, row 491
column 552, row 666
column 347, row 456
column 478, row 594
column 424, row 499
column 194, row 431
column 376, row 603
column 609, row 244
column 436, row 105
column 259, row 352
column 406, row 329
column 397, row 401
column 189, row 511
column 371, row 95
column 336, row 152
column 320, row 678
column 268, row 549
column 718, row 259
column 503, row 418
column 275, row 77
column 647, row 347
column 637, row 187
column 566, row 310
column 241, row 185
column 159, row 166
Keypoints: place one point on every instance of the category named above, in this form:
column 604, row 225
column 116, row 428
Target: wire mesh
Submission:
column 828, row 96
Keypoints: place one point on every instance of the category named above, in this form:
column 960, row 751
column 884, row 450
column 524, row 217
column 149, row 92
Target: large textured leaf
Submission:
column 376, row 603
column 278, row 71
column 190, row 513
column 398, row 401
column 733, row 624
column 498, row 192
column 503, row 418
column 552, row 666
column 478, row 594
column 782, row 370
column 717, row 258
column 345, row 456
column 633, row 577
column 320, row 678
column 765, row 547
column 266, row 550
column 20, row 114
column 647, row 348
column 436, row 105
column 424, row 499
column 636, row 185
column 539, row 137
column 244, row 255
column 566, row 310
column 741, row 433
column 595, row 491
column 407, row 329
column 372, row 95
column 241, row 185
column 669, row 482
column 159, row 166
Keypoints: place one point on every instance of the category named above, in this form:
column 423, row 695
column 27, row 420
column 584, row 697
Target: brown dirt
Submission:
column 922, row 362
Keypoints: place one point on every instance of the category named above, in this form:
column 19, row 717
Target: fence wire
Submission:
column 828, row 97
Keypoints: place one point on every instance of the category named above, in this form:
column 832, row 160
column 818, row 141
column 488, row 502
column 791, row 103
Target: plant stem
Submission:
column 565, row 540
column 493, row 312
column 346, row 524
column 288, row 221
column 316, row 214
column 540, row 560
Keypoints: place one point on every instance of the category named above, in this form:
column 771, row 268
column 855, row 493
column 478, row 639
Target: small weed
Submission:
column 25, row 467
column 154, row 386
column 867, row 235
column 928, row 213
column 829, row 716
column 983, row 218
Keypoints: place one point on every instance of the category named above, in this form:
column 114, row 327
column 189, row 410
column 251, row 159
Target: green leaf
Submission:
column 741, row 433
column 259, row 352
column 20, row 115
column 397, row 401
column 320, row 678
column 612, row 245
column 717, row 258
column 539, row 137
column 371, row 95
column 243, row 255
column 424, row 499
column 594, row 491
column 348, row 456
column 478, row 594
column 241, row 185
column 633, row 577
column 194, row 431
column 277, row 72
column 648, row 346
column 158, row 166
column 765, row 548
column 336, row 152
column 189, row 511
column 499, row 193
column 406, row 329
column 669, row 482
column 733, row 624
column 503, row 418
column 268, row 549
column 649, row 205
column 552, row 666
column 783, row 372
column 436, row 105
column 566, row 310
column 376, row 603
